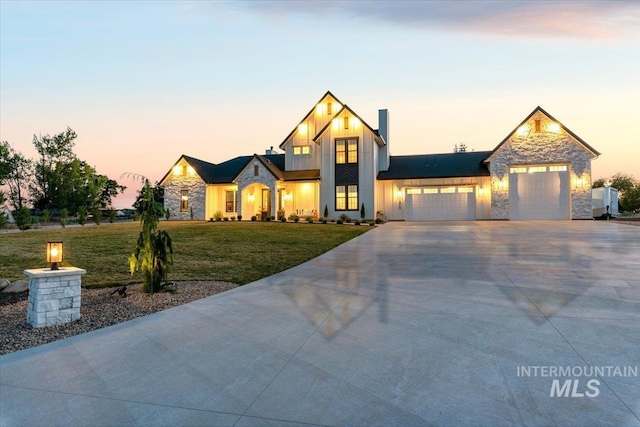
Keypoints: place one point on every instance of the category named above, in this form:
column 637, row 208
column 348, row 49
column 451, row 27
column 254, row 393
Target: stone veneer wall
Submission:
column 197, row 196
column 265, row 177
column 541, row 147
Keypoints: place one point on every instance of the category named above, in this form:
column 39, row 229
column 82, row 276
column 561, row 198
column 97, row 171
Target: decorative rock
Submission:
column 3, row 284
column 17, row 286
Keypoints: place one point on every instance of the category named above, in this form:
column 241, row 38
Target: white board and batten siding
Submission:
column 539, row 192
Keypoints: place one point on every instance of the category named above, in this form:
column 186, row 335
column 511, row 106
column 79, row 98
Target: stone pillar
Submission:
column 54, row 296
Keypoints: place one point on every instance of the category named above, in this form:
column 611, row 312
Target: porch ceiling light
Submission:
column 251, row 197
column 54, row 254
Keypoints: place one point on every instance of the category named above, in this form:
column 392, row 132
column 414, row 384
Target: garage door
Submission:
column 438, row 204
column 538, row 192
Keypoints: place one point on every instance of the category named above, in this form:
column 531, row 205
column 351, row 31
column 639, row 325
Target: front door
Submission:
column 266, row 203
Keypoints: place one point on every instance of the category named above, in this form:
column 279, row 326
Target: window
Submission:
column 447, row 190
column 534, row 169
column 414, row 191
column 184, row 200
column 346, row 197
column 231, row 204
column 557, row 168
column 256, row 170
column 304, row 149
column 328, row 108
column 537, row 122
column 518, row 170
column 430, row 191
column 346, row 122
column 341, row 198
column 346, row 151
column 465, row 189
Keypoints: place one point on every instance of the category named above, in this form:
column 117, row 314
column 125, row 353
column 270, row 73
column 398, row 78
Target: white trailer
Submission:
column 604, row 201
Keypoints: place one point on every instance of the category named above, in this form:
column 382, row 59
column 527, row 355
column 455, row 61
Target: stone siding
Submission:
column 264, row 177
column 542, row 147
column 197, row 195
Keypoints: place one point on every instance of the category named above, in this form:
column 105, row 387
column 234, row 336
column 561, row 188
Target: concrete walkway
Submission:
column 409, row 324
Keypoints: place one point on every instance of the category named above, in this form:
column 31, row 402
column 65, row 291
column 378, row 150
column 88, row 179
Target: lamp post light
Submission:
column 54, row 254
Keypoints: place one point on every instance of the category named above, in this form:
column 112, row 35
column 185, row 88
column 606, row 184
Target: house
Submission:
column 334, row 159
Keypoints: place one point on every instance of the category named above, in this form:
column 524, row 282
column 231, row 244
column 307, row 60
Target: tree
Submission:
column 52, row 151
column 158, row 196
column 15, row 172
column 623, row 182
column 600, row 182
column 153, row 253
column 23, row 218
column 630, row 201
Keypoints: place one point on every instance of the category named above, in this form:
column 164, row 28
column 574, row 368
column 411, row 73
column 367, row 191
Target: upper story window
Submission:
column 303, row 149
column 537, row 125
column 346, row 151
column 328, row 108
column 256, row 170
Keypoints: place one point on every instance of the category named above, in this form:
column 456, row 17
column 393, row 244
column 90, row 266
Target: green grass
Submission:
column 238, row 252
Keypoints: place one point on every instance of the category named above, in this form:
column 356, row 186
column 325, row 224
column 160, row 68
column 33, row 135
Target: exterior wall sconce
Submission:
column 251, row 197
column 554, row 127
column 523, row 130
column 302, row 128
column 399, row 196
column 480, row 191
column 288, row 197
column 54, row 254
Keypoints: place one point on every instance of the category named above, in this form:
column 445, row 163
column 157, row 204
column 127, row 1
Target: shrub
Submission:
column 233, row 218
column 82, row 215
column 112, row 215
column 97, row 216
column 378, row 220
column 372, row 223
column 281, row 214
column 64, row 214
column 167, row 214
column 326, row 211
column 267, row 218
column 191, row 213
column 283, row 219
column 324, row 220
column 310, row 219
column 356, row 223
column 339, row 221
column 254, row 218
column 3, row 219
column 345, row 218
column 226, row 218
column 294, row 218
column 217, row 215
column 272, row 218
column 239, row 217
column 35, row 220
column 362, row 213
column 23, row 218
column 46, row 216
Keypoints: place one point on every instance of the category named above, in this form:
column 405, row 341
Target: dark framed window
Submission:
column 231, row 201
column 347, row 197
column 184, row 200
column 256, row 170
column 346, row 122
column 302, row 149
column 346, row 151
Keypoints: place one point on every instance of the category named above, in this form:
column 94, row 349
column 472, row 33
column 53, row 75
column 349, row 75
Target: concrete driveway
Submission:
column 409, row 324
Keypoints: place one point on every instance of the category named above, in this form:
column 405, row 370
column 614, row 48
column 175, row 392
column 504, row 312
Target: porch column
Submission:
column 241, row 188
column 274, row 199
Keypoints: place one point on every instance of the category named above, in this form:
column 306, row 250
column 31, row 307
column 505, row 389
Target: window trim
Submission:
column 233, row 201
column 184, row 200
column 345, row 152
column 346, row 199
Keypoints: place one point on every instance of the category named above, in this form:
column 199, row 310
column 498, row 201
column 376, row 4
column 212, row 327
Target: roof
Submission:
column 308, row 114
column 450, row 165
column 202, row 168
column 563, row 127
column 301, row 175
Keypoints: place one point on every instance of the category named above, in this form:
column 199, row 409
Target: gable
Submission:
column 189, row 167
column 345, row 121
column 540, row 131
column 321, row 114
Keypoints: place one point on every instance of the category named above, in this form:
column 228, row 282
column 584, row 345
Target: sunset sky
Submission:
column 144, row 82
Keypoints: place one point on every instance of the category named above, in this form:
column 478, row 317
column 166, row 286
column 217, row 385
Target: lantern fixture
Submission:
column 54, row 254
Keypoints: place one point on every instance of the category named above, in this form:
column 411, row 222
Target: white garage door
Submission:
column 438, row 204
column 538, row 192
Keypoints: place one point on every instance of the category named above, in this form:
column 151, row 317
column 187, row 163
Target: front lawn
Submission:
column 238, row 252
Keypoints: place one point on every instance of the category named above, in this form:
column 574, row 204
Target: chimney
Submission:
column 270, row 151
column 383, row 130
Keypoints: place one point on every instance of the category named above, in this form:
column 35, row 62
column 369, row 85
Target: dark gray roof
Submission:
column 451, row 165
column 226, row 172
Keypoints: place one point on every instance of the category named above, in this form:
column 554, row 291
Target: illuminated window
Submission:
column 447, row 190
column 346, row 151
column 303, row 149
column 341, row 198
column 465, row 189
column 353, row 197
column 534, row 169
column 414, row 191
column 231, row 204
column 328, row 108
column 557, row 168
column 518, row 170
column 346, row 122
column 184, row 200
column 537, row 122
column 430, row 191
column 256, row 170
